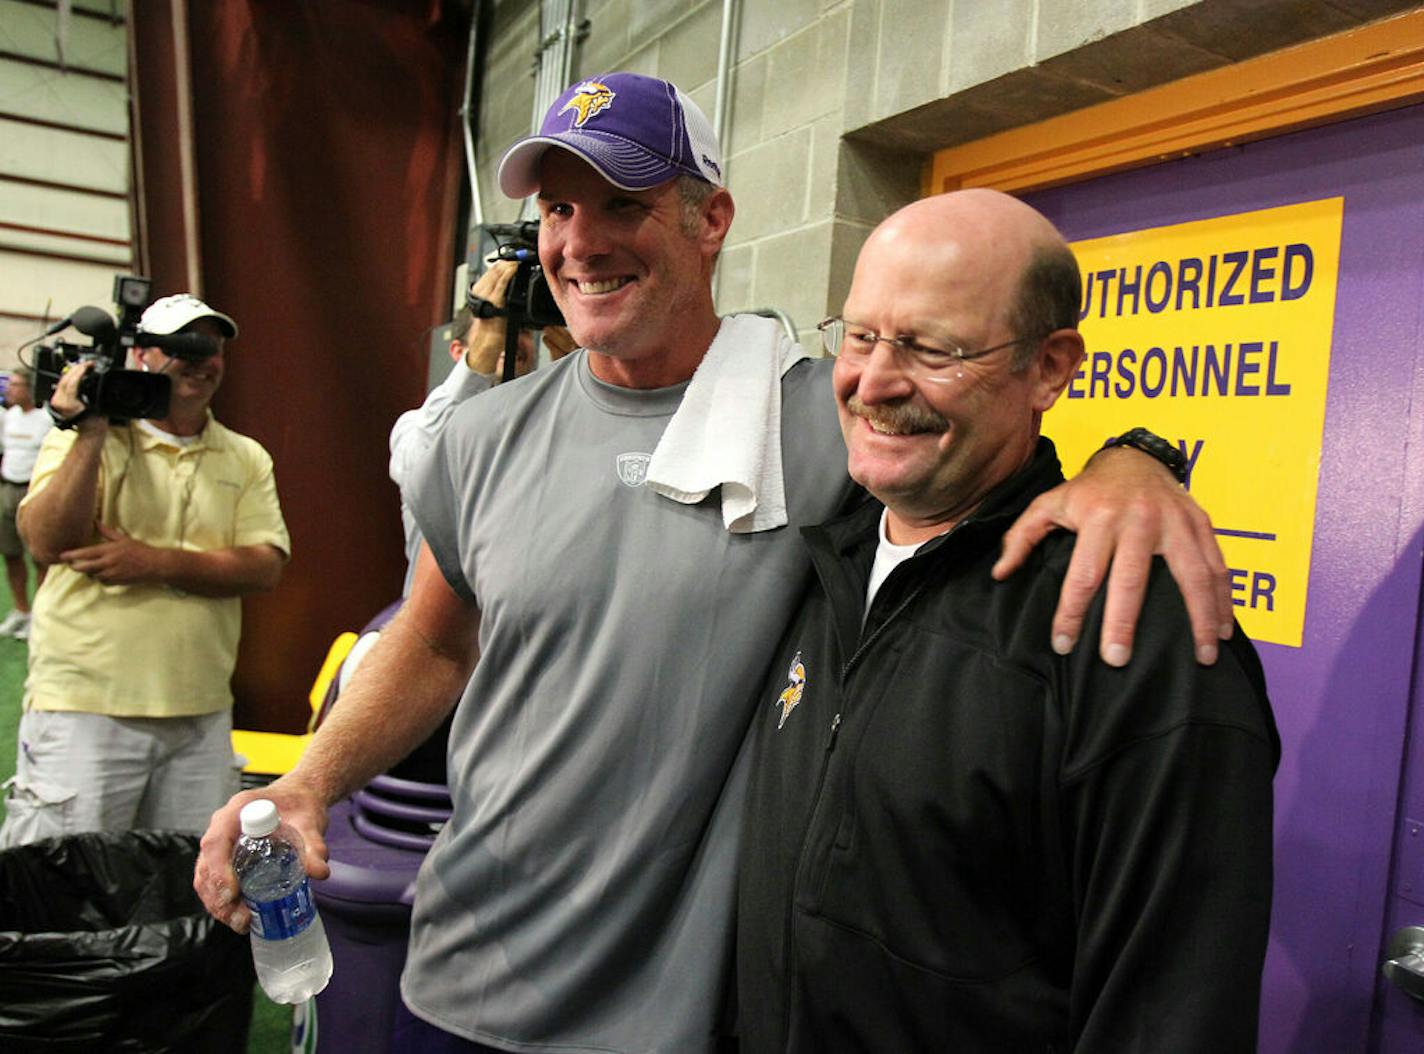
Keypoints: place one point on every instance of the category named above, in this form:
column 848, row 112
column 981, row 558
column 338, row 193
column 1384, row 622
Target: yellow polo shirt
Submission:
column 148, row 650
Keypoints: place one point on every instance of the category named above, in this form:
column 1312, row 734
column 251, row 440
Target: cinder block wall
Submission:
column 837, row 104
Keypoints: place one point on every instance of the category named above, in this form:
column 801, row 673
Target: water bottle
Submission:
column 289, row 945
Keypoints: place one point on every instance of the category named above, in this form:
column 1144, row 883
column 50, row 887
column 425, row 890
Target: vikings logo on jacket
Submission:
column 790, row 697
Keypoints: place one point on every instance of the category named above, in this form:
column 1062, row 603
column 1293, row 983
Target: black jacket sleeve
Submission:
column 1167, row 815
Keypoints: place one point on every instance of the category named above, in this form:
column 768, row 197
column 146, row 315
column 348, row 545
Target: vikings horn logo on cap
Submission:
column 589, row 99
column 654, row 133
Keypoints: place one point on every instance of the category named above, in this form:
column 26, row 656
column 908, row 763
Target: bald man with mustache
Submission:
column 955, row 839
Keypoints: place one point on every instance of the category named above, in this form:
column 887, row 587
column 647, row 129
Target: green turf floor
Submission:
column 13, row 657
column 271, row 1024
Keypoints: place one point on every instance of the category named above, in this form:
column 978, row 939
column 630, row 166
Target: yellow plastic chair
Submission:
column 275, row 753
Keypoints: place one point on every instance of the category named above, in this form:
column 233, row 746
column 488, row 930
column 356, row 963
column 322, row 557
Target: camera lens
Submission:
column 125, row 394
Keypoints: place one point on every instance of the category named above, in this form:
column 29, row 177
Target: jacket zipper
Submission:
column 865, row 644
column 788, row 941
column 801, row 862
column 909, row 597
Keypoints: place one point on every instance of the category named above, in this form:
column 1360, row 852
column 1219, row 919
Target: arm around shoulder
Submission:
column 1126, row 507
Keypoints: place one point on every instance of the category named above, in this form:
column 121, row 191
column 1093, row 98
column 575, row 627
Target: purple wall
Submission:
column 1343, row 700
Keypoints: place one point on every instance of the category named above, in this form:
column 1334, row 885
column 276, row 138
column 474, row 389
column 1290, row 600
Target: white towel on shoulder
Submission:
column 727, row 431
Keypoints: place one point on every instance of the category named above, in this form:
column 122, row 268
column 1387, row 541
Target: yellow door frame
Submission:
column 1376, row 67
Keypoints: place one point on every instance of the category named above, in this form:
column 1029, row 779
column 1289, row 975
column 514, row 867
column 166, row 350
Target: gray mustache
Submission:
column 901, row 417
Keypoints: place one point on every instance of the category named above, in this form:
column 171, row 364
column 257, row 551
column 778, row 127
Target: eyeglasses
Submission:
column 855, row 343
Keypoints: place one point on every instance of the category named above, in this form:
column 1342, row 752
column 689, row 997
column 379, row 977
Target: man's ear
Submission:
column 717, row 213
column 1058, row 359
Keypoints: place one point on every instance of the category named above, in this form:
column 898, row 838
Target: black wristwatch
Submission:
column 1155, row 446
column 63, row 423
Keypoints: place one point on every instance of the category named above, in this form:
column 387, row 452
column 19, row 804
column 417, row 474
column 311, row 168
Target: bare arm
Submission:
column 61, row 515
column 120, row 560
column 410, row 680
column 1126, row 507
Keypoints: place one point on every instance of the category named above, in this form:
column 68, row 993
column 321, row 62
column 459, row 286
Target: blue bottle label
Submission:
column 276, row 920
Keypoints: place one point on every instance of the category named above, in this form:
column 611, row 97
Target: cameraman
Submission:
column 477, row 348
column 154, row 530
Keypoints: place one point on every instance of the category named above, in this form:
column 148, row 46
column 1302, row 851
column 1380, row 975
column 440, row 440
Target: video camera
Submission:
column 528, row 304
column 108, row 388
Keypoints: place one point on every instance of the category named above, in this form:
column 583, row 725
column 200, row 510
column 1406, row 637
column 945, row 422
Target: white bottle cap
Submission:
column 258, row 818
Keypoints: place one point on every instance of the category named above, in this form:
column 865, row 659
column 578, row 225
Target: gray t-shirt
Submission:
column 580, row 898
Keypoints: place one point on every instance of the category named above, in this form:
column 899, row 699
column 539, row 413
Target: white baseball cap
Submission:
column 169, row 314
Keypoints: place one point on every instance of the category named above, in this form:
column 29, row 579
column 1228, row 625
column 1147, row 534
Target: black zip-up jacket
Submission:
column 957, row 841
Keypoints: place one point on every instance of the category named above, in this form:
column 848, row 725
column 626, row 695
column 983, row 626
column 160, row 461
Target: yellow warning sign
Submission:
column 1216, row 335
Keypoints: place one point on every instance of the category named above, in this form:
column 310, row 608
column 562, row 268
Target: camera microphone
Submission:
column 94, row 322
column 61, row 324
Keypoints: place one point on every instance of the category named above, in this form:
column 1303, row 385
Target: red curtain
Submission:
column 328, row 165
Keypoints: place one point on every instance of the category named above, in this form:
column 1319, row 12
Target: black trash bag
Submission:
column 104, row 946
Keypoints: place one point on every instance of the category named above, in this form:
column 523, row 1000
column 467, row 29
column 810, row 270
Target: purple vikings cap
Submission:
column 637, row 131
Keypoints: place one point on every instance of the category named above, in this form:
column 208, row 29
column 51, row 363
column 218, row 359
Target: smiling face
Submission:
column 631, row 270
column 943, row 273
column 194, row 383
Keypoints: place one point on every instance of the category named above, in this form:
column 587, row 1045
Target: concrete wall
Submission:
column 837, row 104
column 64, row 164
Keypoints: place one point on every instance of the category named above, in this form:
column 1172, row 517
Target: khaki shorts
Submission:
column 10, row 496
column 87, row 772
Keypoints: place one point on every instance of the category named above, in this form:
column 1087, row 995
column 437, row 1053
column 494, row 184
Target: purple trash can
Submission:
column 424, row 764
column 376, row 841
